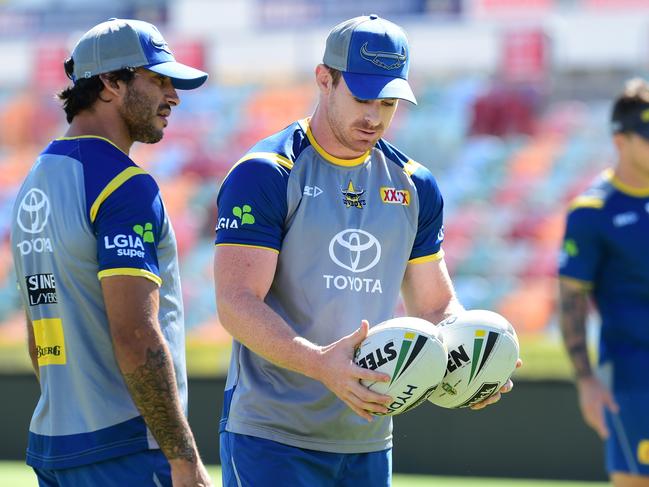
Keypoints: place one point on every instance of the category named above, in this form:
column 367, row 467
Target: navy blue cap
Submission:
column 636, row 121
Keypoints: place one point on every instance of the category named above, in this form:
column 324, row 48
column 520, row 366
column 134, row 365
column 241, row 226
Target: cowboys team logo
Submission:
column 158, row 42
column 383, row 59
column 352, row 196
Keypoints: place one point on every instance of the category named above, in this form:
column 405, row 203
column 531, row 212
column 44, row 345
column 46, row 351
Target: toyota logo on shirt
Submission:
column 355, row 250
column 34, row 211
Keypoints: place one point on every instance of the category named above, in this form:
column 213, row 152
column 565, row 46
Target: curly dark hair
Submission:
column 82, row 94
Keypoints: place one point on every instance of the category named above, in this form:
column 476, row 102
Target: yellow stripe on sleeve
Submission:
column 427, row 258
column 410, row 167
column 269, row 156
column 246, row 245
column 586, row 202
column 129, row 271
column 112, row 186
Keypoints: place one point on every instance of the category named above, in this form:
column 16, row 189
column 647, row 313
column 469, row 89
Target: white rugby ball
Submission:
column 482, row 353
column 412, row 352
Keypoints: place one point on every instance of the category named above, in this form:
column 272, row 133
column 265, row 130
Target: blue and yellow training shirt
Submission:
column 605, row 246
column 86, row 211
column 344, row 231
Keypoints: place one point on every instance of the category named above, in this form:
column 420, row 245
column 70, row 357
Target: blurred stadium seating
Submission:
column 505, row 189
column 512, row 120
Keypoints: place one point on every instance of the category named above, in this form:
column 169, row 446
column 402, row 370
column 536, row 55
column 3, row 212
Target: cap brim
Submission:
column 372, row 87
column 183, row 77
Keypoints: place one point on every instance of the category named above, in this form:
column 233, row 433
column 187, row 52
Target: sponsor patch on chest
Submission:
column 395, row 196
column 50, row 341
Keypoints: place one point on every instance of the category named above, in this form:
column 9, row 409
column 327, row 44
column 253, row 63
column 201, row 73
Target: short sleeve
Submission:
column 128, row 228
column 252, row 205
column 581, row 249
column 430, row 232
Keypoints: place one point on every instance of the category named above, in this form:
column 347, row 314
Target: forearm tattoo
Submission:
column 152, row 387
column 574, row 310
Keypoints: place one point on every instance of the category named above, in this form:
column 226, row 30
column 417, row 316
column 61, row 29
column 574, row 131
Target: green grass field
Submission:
column 543, row 358
column 17, row 474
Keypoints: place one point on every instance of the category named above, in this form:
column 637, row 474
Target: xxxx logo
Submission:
column 395, row 196
column 483, row 345
column 146, row 232
column 243, row 214
column 411, row 346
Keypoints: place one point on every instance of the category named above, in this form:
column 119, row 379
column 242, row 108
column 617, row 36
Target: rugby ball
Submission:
column 482, row 353
column 412, row 352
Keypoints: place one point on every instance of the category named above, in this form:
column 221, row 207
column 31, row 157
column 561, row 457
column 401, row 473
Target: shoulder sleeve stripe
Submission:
column 272, row 156
column 115, row 183
column 410, row 167
column 427, row 258
column 586, row 202
column 246, row 245
column 127, row 271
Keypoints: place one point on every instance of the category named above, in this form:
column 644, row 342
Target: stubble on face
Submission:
column 348, row 132
column 139, row 112
column 356, row 125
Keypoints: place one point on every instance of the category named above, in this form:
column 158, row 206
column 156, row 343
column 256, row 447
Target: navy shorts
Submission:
column 627, row 447
column 248, row 461
column 148, row 468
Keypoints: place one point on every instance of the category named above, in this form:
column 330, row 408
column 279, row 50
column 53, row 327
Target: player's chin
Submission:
column 363, row 145
column 152, row 136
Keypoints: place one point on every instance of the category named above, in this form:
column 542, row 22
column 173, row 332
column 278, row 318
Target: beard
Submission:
column 139, row 116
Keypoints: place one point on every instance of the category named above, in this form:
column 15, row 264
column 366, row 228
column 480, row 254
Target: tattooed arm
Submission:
column 573, row 297
column 593, row 395
column 31, row 346
column 146, row 365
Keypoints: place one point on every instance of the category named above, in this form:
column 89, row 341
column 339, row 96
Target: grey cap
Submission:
column 373, row 55
column 125, row 43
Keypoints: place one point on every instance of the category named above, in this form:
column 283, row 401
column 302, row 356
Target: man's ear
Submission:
column 112, row 87
column 620, row 141
column 323, row 79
